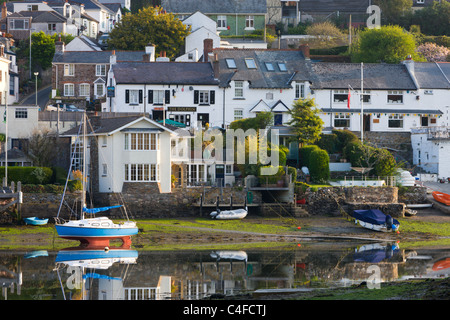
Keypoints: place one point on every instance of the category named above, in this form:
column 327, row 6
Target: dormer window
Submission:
column 231, row 63
column 250, row 63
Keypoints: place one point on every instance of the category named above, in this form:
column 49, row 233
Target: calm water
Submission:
column 76, row 273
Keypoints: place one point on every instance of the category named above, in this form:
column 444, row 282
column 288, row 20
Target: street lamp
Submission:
column 36, row 74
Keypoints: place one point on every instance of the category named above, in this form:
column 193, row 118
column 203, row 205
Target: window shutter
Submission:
column 140, row 96
column 167, row 96
column 212, row 97
column 195, row 96
column 127, row 96
column 150, row 96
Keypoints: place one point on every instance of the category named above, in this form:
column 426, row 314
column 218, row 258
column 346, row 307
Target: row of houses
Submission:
column 75, row 17
column 231, row 84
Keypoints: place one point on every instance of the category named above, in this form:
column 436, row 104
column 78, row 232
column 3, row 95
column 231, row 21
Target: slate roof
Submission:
column 347, row 6
column 297, row 68
column 43, row 16
column 377, row 76
column 96, row 56
column 215, row 6
column 432, row 75
column 187, row 73
column 108, row 125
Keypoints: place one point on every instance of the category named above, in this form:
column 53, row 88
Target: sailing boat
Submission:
column 96, row 231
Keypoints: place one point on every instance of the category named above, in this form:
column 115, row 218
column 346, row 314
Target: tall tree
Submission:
column 392, row 11
column 149, row 25
column 305, row 121
column 389, row 44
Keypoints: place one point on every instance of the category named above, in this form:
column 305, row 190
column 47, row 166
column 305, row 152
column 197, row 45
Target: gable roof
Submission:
column 96, row 56
column 187, row 73
column 115, row 124
column 44, row 16
column 377, row 76
column 432, row 75
column 215, row 6
column 297, row 68
column 347, row 6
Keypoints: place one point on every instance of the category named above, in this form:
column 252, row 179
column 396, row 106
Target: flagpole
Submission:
column 362, row 103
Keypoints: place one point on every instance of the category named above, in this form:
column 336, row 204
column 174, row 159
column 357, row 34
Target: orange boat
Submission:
column 442, row 197
column 441, row 264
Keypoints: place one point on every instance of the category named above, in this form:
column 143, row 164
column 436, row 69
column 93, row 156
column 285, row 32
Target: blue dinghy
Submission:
column 35, row 221
column 376, row 220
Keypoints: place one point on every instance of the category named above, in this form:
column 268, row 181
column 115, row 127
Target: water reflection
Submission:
column 125, row 274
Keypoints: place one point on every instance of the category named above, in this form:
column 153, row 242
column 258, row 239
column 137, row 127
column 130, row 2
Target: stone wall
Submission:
column 337, row 200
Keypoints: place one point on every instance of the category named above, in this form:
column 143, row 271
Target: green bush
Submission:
column 59, row 175
column 319, row 168
column 39, row 188
column 305, row 153
column 293, row 172
column 272, row 179
column 343, row 138
column 329, row 143
column 28, row 175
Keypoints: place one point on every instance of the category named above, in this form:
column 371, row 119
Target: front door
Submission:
column 424, row 121
column 366, row 122
column 220, row 174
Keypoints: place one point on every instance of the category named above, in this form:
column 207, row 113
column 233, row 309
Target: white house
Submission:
column 431, row 149
column 255, row 80
column 185, row 92
column 392, row 100
column 202, row 27
column 129, row 149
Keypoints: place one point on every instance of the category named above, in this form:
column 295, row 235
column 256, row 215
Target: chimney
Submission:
column 59, row 46
column 409, row 63
column 149, row 53
column 113, row 58
column 304, row 48
column 4, row 10
column 207, row 48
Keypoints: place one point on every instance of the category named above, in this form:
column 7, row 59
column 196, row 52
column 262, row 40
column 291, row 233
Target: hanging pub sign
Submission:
column 110, row 92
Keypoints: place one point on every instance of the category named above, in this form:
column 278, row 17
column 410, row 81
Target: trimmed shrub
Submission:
column 329, row 142
column 28, row 175
column 305, row 153
column 319, row 166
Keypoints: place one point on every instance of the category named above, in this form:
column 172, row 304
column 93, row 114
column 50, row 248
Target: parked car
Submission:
column 103, row 40
column 63, row 107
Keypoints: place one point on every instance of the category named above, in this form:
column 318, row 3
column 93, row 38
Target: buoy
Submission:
column 299, row 228
column 299, row 245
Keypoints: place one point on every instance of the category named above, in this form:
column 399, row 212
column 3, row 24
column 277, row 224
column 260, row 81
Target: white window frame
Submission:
column 134, row 96
column 395, row 93
column 239, row 89
column 97, row 92
column 141, row 172
column 249, row 22
column 69, row 70
column 100, row 70
column 342, row 118
column 238, row 114
column 299, row 91
column 340, row 93
column 21, row 113
column 85, row 90
column 222, row 22
column 203, row 97
column 395, row 117
column 141, row 141
column 158, row 97
column 69, row 89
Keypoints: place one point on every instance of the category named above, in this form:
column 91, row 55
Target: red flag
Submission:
column 348, row 99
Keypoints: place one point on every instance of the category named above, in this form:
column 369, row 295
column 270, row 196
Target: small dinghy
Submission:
column 374, row 219
column 35, row 221
column 231, row 214
column 441, row 197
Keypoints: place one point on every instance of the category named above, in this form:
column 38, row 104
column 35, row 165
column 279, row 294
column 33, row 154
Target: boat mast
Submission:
column 84, row 175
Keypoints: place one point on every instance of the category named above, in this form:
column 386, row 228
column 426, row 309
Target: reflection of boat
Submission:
column 93, row 257
column 441, row 197
column 98, row 230
column 229, row 255
column 441, row 264
column 374, row 219
column 35, row 221
column 35, row 254
column 419, row 205
column 375, row 252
